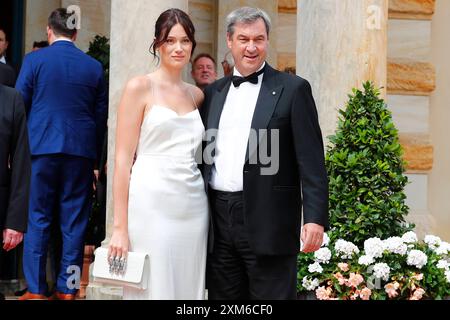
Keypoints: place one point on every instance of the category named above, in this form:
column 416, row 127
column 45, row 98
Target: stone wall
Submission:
column 439, row 177
column 95, row 19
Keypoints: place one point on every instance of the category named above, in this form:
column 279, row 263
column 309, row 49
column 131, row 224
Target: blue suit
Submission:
column 65, row 99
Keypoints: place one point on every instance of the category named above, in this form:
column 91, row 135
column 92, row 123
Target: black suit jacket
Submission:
column 273, row 203
column 15, row 161
column 7, row 75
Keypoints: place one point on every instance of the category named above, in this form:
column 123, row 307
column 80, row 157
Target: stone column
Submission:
column 225, row 7
column 132, row 32
column 340, row 45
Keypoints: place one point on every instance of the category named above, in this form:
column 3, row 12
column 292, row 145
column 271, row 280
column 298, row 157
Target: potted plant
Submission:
column 393, row 268
column 367, row 204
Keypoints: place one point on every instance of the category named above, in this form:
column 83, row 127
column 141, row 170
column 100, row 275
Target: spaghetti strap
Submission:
column 152, row 85
column 193, row 99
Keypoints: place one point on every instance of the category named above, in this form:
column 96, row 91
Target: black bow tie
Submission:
column 253, row 78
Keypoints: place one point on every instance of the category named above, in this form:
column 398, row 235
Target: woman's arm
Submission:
column 129, row 120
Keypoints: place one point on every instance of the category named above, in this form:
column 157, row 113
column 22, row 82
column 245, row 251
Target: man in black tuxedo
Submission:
column 15, row 168
column 256, row 204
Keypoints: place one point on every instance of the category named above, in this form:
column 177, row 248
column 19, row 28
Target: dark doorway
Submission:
column 12, row 21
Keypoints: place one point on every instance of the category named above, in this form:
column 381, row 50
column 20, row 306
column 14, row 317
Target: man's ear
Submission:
column 229, row 40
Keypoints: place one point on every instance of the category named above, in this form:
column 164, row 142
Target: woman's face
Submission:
column 176, row 50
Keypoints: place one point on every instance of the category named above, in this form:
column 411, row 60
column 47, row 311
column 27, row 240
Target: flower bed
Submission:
column 393, row 268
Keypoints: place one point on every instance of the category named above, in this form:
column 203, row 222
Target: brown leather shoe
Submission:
column 63, row 296
column 33, row 296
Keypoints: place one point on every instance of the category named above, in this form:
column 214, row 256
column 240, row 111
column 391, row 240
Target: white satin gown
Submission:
column 167, row 206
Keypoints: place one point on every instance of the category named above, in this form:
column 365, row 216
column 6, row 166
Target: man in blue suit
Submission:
column 65, row 98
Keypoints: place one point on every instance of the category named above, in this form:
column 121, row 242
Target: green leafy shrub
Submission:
column 365, row 170
column 99, row 49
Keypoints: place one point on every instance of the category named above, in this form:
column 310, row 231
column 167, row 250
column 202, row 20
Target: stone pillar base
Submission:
column 424, row 222
column 95, row 291
column 99, row 292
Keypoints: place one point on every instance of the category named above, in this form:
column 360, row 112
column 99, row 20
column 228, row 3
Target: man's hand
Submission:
column 96, row 175
column 312, row 237
column 11, row 239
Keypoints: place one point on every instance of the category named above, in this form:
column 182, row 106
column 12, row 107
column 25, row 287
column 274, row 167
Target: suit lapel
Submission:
column 265, row 106
column 217, row 103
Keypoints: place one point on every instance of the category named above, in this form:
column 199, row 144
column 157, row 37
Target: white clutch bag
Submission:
column 136, row 273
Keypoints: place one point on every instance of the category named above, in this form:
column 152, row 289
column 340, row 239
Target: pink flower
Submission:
column 343, row 266
column 418, row 276
column 365, row 294
column 391, row 289
column 323, row 294
column 340, row 278
column 417, row 295
column 355, row 280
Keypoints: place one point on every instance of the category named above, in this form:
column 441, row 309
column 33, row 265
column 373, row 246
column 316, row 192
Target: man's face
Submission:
column 204, row 72
column 3, row 43
column 248, row 46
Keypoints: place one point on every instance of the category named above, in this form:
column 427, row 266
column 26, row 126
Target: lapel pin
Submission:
column 274, row 93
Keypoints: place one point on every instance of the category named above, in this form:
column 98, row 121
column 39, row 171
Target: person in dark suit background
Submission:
column 3, row 45
column 65, row 99
column 39, row 45
column 255, row 205
column 7, row 75
column 204, row 70
column 15, row 167
column 7, row 72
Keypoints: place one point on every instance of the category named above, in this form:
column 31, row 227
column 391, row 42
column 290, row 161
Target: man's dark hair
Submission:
column 204, row 55
column 57, row 21
column 40, row 44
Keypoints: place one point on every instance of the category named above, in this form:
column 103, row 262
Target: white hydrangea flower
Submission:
column 382, row 271
column 395, row 245
column 410, row 237
column 309, row 284
column 345, row 249
column 326, row 240
column 447, row 275
column 442, row 264
column 323, row 255
column 374, row 247
column 366, row 260
column 417, row 258
column 432, row 241
column 443, row 249
column 315, row 267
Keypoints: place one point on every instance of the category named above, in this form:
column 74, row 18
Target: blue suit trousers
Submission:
column 60, row 184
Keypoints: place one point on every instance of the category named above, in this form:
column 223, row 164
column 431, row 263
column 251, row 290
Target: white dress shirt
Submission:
column 232, row 138
column 3, row 60
column 62, row 39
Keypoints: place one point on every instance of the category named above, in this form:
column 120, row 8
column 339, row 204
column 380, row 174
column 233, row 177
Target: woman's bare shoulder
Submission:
column 198, row 94
column 138, row 84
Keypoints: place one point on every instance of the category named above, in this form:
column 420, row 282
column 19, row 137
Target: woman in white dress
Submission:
column 160, row 206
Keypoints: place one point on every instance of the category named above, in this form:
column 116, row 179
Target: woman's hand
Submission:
column 118, row 249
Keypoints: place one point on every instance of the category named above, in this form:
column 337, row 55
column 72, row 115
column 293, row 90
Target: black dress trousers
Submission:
column 234, row 272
